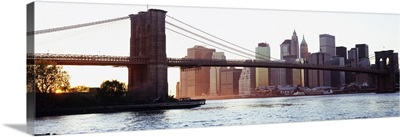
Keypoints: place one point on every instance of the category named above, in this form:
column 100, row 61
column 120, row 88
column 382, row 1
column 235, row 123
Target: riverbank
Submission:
column 121, row 108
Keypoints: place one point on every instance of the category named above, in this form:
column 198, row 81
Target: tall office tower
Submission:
column 341, row 51
column 337, row 77
column 278, row 76
column 196, row 82
column 247, row 81
column 327, row 44
column 262, row 53
column 294, row 45
column 362, row 51
column 215, row 74
column 230, row 81
column 319, row 77
column 352, row 60
column 304, row 49
column 285, row 48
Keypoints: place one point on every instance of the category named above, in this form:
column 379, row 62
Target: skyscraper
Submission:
column 215, row 74
column 196, row 82
column 294, row 45
column 341, row 52
column 362, row 51
column 230, row 81
column 285, row 48
column 327, row 44
column 319, row 77
column 247, row 81
column 304, row 49
column 262, row 53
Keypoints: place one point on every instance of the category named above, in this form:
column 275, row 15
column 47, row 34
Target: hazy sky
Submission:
column 243, row 27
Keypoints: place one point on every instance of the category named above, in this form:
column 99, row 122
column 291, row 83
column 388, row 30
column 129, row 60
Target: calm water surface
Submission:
column 231, row 112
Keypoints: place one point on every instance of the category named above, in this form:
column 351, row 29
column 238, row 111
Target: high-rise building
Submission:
column 341, row 51
column 285, row 48
column 304, row 49
column 196, row 82
column 278, row 76
column 215, row 74
column 327, row 44
column 230, row 81
column 319, row 77
column 294, row 45
column 362, row 51
column 247, row 81
column 337, row 77
column 262, row 53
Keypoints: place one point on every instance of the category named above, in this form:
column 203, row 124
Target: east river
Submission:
column 231, row 112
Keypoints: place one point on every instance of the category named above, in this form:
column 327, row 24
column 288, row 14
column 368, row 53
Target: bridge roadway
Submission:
column 104, row 60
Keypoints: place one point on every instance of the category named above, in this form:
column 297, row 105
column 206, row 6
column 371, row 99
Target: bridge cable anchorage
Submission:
column 220, row 38
column 228, row 47
column 44, row 31
column 204, row 42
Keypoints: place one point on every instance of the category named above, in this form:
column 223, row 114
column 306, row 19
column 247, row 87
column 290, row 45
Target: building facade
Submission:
column 247, row 81
column 327, row 44
column 230, row 81
column 304, row 49
column 262, row 53
column 319, row 77
column 215, row 75
column 294, row 50
column 196, row 82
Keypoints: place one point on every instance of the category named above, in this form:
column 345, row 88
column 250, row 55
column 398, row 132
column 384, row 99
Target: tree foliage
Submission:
column 79, row 88
column 112, row 86
column 46, row 77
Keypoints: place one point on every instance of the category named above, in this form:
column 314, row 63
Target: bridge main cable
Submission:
column 44, row 31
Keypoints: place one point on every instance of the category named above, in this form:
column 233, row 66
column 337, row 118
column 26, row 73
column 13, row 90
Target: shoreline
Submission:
column 120, row 108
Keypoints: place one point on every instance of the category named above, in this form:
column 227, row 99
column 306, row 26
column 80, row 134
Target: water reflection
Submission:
column 229, row 113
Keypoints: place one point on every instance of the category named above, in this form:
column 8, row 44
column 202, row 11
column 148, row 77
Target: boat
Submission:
column 323, row 90
column 298, row 93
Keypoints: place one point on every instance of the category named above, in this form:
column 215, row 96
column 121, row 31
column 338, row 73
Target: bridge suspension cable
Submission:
column 254, row 53
column 204, row 42
column 75, row 26
column 228, row 47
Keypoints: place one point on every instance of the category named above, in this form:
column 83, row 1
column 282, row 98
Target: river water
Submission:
column 231, row 112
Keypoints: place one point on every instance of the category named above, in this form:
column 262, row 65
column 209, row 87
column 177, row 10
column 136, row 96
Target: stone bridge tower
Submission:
column 148, row 40
column 388, row 61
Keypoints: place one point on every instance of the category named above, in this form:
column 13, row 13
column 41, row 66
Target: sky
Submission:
column 244, row 27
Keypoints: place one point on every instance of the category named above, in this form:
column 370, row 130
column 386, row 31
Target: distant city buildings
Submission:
column 294, row 45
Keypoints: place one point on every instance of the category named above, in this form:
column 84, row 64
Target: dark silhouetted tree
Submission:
column 46, row 77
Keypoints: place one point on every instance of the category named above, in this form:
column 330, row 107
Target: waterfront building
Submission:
column 262, row 53
column 337, row 77
column 230, row 81
column 247, row 81
column 319, row 77
column 215, row 75
column 362, row 51
column 196, row 81
column 341, row 51
column 278, row 76
column 327, row 44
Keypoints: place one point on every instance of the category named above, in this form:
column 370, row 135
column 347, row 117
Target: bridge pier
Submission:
column 148, row 40
column 386, row 60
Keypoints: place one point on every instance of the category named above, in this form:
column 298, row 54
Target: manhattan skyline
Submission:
column 243, row 27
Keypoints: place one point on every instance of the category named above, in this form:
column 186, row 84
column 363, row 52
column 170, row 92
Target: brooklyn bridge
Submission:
column 147, row 63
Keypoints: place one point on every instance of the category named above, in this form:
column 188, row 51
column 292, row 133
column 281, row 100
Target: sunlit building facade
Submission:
column 262, row 53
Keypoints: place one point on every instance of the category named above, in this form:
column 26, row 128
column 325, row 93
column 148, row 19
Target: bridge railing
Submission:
column 76, row 57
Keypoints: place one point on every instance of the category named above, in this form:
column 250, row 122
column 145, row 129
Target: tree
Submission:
column 112, row 86
column 80, row 88
column 46, row 77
